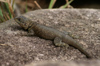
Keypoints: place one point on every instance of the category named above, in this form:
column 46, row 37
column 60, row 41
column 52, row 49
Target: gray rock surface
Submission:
column 67, row 63
column 16, row 50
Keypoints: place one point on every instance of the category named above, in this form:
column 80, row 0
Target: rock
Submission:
column 16, row 50
column 67, row 63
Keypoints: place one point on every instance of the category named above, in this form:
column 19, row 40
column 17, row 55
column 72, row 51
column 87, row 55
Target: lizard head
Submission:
column 23, row 21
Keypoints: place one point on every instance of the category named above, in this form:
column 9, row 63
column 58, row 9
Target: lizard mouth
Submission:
column 20, row 20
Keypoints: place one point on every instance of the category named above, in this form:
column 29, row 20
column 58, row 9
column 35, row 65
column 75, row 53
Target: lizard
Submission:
column 50, row 33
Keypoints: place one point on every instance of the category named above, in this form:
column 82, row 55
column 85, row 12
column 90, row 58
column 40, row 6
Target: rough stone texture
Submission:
column 67, row 63
column 16, row 50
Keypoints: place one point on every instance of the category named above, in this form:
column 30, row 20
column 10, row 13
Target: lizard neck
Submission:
column 32, row 25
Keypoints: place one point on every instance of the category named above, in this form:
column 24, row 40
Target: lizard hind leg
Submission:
column 58, row 42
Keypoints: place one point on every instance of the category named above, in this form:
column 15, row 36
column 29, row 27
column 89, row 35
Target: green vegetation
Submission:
column 64, row 6
column 6, row 10
column 52, row 2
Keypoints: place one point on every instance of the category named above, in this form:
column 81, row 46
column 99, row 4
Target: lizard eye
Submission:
column 19, row 19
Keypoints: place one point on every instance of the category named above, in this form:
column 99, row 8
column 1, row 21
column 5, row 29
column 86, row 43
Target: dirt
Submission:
column 16, row 50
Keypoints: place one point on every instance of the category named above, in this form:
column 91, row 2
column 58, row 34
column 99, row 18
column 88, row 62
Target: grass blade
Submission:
column 67, row 4
column 1, row 13
column 7, row 6
column 52, row 2
column 1, row 16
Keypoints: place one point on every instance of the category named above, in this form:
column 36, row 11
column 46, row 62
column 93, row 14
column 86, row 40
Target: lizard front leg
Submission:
column 31, row 31
column 24, row 33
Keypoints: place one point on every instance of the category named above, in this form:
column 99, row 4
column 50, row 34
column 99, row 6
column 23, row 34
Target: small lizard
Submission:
column 50, row 33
